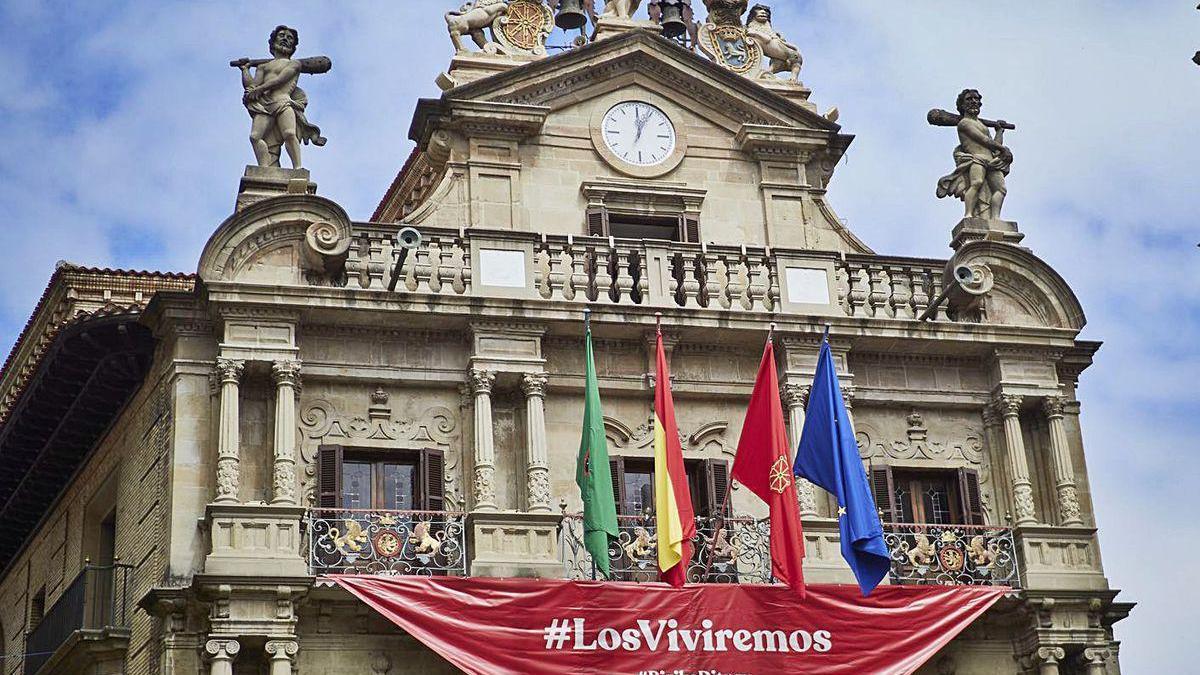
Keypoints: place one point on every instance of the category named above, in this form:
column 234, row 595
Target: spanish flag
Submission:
column 675, row 521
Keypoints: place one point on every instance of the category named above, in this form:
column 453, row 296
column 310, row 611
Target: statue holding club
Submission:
column 981, row 161
column 275, row 103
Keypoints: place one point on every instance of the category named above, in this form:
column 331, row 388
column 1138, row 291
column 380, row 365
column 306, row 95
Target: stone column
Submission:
column 795, row 397
column 537, row 457
column 220, row 656
column 481, row 382
column 228, row 444
column 1064, row 472
column 1046, row 659
column 286, row 375
column 1022, row 490
column 281, row 653
column 1095, row 659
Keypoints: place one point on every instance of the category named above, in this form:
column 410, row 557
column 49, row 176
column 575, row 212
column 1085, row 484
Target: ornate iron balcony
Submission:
column 921, row 554
column 94, row 604
column 742, row 553
column 345, row 541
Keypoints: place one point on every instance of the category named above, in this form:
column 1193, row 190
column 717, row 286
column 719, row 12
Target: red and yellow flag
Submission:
column 675, row 520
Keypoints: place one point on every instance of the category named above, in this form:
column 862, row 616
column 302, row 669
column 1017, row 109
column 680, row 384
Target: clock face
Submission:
column 638, row 133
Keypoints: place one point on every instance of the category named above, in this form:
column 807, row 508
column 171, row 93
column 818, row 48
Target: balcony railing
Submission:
column 741, row 555
column 654, row 273
column 95, row 601
column 921, row 554
column 977, row 555
column 344, row 541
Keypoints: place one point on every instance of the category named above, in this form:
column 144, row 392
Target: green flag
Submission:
column 592, row 473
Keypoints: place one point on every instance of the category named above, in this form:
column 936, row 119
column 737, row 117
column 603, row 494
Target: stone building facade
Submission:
column 184, row 455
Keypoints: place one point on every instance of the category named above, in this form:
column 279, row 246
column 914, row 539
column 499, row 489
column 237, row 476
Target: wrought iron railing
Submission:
column 95, row 600
column 921, row 554
column 977, row 555
column 741, row 553
column 345, row 541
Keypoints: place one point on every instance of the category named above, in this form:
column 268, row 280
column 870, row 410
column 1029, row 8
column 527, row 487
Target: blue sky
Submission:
column 123, row 141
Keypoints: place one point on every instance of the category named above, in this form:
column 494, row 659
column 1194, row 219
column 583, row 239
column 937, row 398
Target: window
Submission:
column 373, row 479
column 602, row 222
column 633, row 484
column 930, row 497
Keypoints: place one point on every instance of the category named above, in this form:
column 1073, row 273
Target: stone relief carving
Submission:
column 917, row 445
column 322, row 422
column 708, row 437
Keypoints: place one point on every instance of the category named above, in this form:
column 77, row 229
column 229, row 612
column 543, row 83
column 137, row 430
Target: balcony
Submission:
column 651, row 273
column 921, row 554
column 393, row 543
column 87, row 626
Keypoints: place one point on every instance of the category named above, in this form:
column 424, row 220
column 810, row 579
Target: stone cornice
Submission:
column 490, row 119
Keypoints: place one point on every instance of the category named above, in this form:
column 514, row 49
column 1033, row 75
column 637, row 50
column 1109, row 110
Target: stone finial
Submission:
column 981, row 161
column 275, row 103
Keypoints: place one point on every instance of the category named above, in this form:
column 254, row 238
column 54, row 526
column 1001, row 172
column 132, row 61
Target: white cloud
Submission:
column 126, row 118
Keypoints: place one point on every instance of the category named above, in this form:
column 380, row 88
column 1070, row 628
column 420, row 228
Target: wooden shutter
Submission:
column 616, row 465
column 883, row 487
column 433, row 480
column 329, row 476
column 972, row 504
column 716, row 473
column 689, row 228
column 597, row 221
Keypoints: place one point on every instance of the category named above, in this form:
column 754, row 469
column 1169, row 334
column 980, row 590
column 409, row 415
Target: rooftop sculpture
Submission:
column 275, row 103
column 981, row 161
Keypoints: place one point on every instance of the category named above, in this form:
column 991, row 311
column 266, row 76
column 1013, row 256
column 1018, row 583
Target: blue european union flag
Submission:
column 828, row 457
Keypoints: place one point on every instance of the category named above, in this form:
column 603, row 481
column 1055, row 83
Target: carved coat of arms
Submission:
column 724, row 39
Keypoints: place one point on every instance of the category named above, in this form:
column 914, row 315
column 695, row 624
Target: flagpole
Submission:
column 728, row 489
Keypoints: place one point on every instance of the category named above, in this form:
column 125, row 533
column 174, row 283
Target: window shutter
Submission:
column 716, row 473
column 597, row 221
column 689, row 228
column 884, row 490
column 968, row 481
column 616, row 465
column 433, row 484
column 329, row 476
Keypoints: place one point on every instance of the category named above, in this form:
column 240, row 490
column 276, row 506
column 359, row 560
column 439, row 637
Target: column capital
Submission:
column 480, row 381
column 230, row 370
column 222, row 648
column 1053, row 406
column 286, row 373
column 991, row 417
column 848, row 396
column 1009, row 405
column 282, row 648
column 1096, row 656
column 795, row 395
column 534, row 384
column 1045, row 656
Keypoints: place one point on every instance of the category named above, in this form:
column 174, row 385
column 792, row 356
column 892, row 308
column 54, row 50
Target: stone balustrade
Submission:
column 650, row 273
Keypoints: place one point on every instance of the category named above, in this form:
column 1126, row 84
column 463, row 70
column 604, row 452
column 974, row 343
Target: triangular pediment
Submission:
column 642, row 57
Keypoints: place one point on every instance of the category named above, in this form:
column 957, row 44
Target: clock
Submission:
column 638, row 133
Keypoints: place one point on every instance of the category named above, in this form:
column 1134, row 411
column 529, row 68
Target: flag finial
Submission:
column 825, row 337
column 587, row 320
column 658, row 322
column 771, row 333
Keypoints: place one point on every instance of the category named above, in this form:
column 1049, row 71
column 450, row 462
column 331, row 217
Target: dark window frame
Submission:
column 708, row 481
column 889, row 483
column 428, row 492
column 600, row 220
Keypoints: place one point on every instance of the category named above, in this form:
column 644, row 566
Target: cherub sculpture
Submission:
column 423, row 542
column 785, row 56
column 276, row 105
column 471, row 19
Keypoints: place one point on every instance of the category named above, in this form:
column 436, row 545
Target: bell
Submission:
column 570, row 15
column 672, row 22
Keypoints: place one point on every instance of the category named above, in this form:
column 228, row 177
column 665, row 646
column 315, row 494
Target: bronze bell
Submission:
column 570, row 15
column 672, row 21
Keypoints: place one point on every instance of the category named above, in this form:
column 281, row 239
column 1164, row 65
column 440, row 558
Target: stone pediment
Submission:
column 642, row 58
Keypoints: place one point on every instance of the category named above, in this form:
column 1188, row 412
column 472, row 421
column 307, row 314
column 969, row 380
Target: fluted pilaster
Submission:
column 537, row 458
column 1064, row 471
column 481, row 382
column 229, row 373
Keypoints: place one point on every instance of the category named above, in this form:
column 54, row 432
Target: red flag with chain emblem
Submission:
column 764, row 465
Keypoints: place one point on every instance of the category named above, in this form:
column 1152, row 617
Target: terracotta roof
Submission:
column 98, row 292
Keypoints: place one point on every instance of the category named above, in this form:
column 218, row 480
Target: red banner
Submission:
column 486, row 625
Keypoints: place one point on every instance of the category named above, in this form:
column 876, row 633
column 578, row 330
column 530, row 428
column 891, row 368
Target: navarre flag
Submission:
column 828, row 457
column 592, row 472
column 763, row 464
column 675, row 521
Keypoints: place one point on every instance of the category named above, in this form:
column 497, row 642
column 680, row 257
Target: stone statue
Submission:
column 276, row 105
column 785, row 56
column 980, row 161
column 619, row 9
column 725, row 12
column 471, row 19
